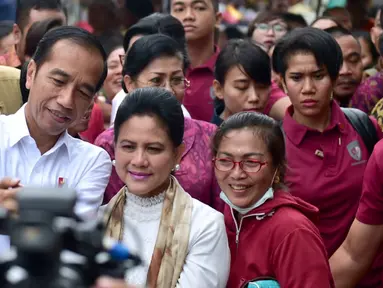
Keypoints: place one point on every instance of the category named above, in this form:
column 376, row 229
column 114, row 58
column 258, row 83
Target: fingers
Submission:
column 7, row 183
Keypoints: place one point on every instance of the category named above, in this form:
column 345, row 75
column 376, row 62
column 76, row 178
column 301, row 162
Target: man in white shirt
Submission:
column 67, row 70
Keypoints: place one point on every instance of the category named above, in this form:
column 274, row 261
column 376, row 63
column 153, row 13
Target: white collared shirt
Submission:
column 120, row 96
column 70, row 163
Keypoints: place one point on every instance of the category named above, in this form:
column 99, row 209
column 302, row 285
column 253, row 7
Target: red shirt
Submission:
column 275, row 95
column 278, row 240
column 199, row 97
column 370, row 209
column 95, row 126
column 332, row 182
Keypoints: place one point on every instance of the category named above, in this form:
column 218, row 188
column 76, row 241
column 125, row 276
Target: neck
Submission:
column 343, row 101
column 200, row 51
column 319, row 123
column 43, row 141
column 225, row 114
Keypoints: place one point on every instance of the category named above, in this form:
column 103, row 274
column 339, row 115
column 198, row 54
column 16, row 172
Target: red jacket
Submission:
column 278, row 240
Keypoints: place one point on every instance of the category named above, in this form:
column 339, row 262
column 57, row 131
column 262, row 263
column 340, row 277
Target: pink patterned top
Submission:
column 196, row 174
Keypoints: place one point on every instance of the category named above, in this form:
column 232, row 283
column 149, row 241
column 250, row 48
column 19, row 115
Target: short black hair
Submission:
column 24, row 8
column 338, row 31
column 157, row 23
column 308, row 40
column 238, row 52
column 367, row 37
column 75, row 35
column 111, row 42
column 264, row 127
column 294, row 20
column 245, row 53
column 156, row 102
column 36, row 33
column 139, row 8
column 147, row 49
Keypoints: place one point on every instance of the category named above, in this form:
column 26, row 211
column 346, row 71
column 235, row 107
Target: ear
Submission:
column 16, row 33
column 31, row 73
column 179, row 152
column 218, row 19
column 218, row 89
column 129, row 83
column 283, row 84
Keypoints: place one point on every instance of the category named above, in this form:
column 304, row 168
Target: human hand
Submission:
column 8, row 190
column 106, row 282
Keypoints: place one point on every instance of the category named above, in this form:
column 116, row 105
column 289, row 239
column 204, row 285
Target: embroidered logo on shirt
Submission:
column 61, row 181
column 354, row 150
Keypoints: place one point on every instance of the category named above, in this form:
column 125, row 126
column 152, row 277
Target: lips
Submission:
column 252, row 110
column 59, row 116
column 189, row 28
column 139, row 175
column 239, row 187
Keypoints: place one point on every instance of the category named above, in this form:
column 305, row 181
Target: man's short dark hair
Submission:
column 214, row 2
column 75, row 35
column 24, row 8
column 338, row 31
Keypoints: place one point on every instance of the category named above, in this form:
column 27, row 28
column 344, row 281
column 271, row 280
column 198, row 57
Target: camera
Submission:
column 51, row 248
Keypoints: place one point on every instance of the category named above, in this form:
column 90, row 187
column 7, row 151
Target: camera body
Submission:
column 53, row 249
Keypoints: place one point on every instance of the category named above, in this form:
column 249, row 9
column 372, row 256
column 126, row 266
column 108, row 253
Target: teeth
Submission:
column 238, row 187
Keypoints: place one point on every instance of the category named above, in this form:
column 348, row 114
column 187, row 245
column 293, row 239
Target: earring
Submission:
column 332, row 96
column 176, row 168
column 277, row 180
column 114, row 162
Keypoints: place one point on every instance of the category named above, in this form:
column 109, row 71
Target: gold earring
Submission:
column 332, row 96
column 277, row 180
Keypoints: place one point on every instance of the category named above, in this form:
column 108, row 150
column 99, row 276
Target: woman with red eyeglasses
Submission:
column 271, row 234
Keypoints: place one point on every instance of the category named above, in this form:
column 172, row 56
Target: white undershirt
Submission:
column 208, row 261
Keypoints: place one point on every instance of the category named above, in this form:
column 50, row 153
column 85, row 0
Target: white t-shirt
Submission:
column 70, row 163
column 117, row 100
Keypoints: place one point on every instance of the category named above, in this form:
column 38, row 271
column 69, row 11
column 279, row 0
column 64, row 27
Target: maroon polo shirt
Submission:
column 326, row 170
column 199, row 97
column 370, row 209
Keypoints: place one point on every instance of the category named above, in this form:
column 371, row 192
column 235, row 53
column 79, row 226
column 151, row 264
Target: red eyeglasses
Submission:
column 250, row 166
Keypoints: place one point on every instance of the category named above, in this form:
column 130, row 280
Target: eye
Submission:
column 251, row 163
column 243, row 87
column 155, row 81
column 177, row 81
column 58, row 82
column 154, row 150
column 224, row 162
column 318, row 76
column 200, row 8
column 296, row 78
column 279, row 28
column 128, row 147
column 263, row 26
column 178, row 9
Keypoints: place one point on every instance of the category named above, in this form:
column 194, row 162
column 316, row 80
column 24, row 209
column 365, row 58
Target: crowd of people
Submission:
column 249, row 162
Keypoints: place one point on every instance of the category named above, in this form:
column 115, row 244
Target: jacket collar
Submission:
column 296, row 132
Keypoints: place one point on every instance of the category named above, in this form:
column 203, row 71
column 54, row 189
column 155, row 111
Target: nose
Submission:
column 270, row 31
column 237, row 172
column 308, row 85
column 139, row 159
column 345, row 69
column 253, row 96
column 66, row 98
column 189, row 15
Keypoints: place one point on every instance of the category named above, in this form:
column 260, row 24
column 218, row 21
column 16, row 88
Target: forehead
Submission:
column 236, row 72
column 348, row 43
column 44, row 14
column 302, row 62
column 165, row 64
column 242, row 141
column 191, row 2
column 144, row 128
column 324, row 24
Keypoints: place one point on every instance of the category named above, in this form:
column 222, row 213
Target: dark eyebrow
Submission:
column 147, row 144
column 178, row 3
column 198, row 2
column 60, row 72
column 245, row 155
column 353, row 54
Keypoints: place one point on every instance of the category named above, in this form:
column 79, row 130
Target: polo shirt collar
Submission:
column 210, row 63
column 20, row 131
column 296, row 132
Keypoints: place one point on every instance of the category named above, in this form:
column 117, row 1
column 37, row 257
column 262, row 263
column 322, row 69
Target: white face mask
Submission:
column 268, row 195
